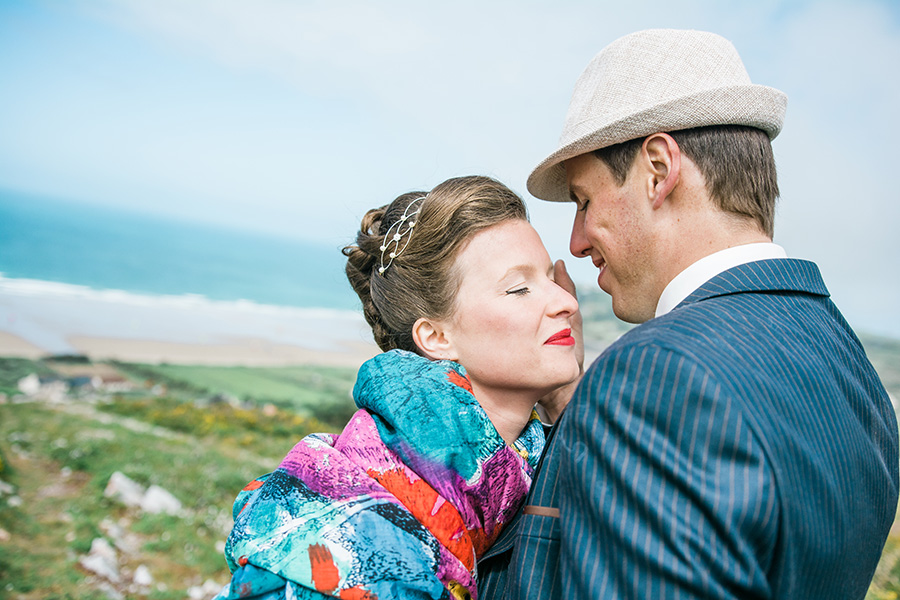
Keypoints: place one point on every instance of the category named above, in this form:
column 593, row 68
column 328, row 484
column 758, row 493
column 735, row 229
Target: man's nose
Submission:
column 579, row 245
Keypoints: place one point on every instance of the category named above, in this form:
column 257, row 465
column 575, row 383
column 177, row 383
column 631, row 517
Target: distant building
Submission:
column 53, row 389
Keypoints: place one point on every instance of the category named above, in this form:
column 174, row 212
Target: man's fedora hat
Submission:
column 659, row 80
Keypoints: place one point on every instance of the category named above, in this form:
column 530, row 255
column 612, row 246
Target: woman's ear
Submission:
column 432, row 339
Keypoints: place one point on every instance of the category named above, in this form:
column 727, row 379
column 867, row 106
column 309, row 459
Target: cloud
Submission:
column 277, row 112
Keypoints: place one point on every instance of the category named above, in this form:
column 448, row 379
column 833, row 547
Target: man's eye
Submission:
column 518, row 292
column 584, row 206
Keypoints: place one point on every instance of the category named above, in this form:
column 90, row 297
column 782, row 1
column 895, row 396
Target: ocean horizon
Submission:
column 74, row 249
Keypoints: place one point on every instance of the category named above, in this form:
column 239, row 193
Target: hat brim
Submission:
column 751, row 105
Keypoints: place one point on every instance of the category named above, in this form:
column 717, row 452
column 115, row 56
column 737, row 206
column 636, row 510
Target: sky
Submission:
column 293, row 118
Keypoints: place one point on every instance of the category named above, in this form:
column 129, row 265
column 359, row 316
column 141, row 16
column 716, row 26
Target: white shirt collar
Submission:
column 708, row 267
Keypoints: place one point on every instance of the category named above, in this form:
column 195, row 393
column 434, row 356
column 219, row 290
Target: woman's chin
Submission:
column 566, row 376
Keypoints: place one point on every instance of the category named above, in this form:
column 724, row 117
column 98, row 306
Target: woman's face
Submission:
column 510, row 327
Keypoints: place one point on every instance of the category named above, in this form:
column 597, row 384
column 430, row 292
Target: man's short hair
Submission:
column 736, row 162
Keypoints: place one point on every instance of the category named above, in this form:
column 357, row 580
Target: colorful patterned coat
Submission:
column 401, row 504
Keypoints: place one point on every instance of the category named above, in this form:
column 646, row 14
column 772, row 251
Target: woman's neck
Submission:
column 508, row 410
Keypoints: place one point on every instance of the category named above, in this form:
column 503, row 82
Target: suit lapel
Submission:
column 507, row 538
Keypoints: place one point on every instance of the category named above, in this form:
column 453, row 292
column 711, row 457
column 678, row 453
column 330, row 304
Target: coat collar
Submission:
column 777, row 275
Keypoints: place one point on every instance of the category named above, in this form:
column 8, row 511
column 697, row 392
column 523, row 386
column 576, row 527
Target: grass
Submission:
column 270, row 432
column 62, row 513
column 318, row 392
column 61, row 457
column 14, row 369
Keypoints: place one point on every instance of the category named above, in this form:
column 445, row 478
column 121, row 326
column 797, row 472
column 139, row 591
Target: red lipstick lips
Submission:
column 563, row 338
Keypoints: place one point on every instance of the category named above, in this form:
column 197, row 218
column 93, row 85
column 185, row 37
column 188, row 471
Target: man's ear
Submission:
column 662, row 159
column 433, row 340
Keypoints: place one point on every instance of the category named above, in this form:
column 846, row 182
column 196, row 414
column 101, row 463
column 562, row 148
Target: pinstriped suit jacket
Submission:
column 741, row 446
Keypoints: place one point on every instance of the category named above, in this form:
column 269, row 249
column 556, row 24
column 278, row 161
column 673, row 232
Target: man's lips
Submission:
column 562, row 338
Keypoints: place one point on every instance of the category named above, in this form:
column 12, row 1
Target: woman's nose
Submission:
column 563, row 303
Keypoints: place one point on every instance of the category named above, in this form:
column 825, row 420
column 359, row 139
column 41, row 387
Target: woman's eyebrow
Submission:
column 525, row 269
column 517, row 270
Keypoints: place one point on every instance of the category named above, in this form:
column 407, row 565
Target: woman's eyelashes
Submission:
column 518, row 291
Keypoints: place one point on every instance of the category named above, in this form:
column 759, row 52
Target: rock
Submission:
column 111, row 592
column 120, row 487
column 102, row 561
column 142, row 576
column 30, row 384
column 6, row 488
column 14, row 501
column 157, row 500
column 209, row 589
column 130, row 543
column 4, row 535
column 100, row 547
column 113, row 530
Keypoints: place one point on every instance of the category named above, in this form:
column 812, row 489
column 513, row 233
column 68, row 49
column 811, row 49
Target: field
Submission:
column 200, row 433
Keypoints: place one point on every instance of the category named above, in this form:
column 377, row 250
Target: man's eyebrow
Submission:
column 573, row 188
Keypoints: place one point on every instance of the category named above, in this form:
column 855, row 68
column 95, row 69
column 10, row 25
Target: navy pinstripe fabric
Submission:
column 741, row 446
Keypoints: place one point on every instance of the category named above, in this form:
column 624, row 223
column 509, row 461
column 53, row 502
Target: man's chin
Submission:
column 627, row 312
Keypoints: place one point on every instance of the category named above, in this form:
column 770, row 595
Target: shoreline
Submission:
column 40, row 319
column 244, row 352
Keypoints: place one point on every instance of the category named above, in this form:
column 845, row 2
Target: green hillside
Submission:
column 200, row 433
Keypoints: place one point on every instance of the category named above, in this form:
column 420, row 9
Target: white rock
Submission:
column 100, row 547
column 130, row 543
column 111, row 592
column 127, row 491
column 112, row 529
column 6, row 488
column 14, row 501
column 157, row 500
column 142, row 576
column 30, row 384
column 209, row 589
column 102, row 561
column 4, row 535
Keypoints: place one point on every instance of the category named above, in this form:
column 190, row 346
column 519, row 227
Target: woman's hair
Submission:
column 421, row 280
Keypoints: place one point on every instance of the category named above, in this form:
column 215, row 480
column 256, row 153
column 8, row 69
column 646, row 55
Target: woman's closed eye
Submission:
column 518, row 291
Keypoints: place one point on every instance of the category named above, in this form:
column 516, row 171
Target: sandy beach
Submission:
column 40, row 318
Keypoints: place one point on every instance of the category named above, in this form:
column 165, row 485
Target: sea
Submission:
column 63, row 244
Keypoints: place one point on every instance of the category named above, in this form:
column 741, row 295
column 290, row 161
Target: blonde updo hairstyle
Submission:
column 422, row 281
